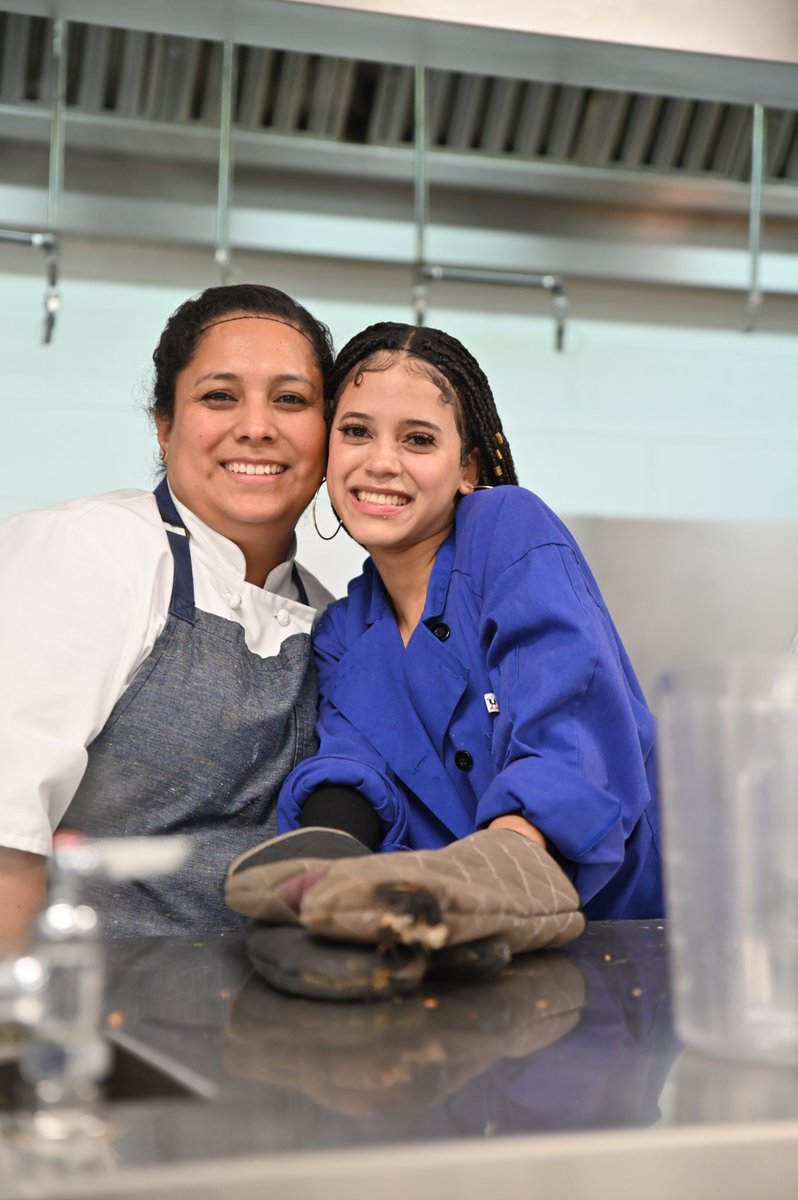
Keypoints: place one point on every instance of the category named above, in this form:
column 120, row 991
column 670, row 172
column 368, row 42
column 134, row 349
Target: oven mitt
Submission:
column 300, row 963
column 285, row 856
column 296, row 961
column 493, row 883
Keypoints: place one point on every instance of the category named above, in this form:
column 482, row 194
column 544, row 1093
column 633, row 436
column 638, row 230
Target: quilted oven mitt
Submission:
column 296, row 961
column 494, row 882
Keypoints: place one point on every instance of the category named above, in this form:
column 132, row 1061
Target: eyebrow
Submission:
column 231, row 377
column 415, row 421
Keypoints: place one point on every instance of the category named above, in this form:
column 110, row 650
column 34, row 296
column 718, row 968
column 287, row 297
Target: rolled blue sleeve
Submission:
column 573, row 733
column 345, row 756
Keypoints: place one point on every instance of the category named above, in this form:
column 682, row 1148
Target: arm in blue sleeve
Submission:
column 572, row 734
column 344, row 758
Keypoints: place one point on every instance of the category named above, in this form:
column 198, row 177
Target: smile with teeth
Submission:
column 242, row 468
column 385, row 498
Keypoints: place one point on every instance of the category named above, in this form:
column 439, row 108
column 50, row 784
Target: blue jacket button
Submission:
column 463, row 760
column 441, row 632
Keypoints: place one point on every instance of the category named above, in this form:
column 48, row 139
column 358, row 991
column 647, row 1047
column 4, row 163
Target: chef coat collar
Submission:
column 437, row 588
column 228, row 560
column 380, row 600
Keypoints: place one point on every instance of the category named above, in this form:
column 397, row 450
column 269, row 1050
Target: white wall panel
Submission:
column 637, row 419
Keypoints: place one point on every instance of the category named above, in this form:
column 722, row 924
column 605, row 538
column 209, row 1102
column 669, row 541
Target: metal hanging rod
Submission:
column 57, row 114
column 420, row 191
column 753, row 301
column 225, row 180
column 426, row 272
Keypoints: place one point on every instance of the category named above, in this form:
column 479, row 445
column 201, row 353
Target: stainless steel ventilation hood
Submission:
column 625, row 152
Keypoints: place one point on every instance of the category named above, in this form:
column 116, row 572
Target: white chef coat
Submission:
column 84, row 594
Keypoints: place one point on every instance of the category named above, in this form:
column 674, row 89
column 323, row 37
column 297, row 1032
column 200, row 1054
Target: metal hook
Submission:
column 52, row 299
column 48, row 242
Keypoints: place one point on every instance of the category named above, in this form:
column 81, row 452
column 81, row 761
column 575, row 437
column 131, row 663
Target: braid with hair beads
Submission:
column 454, row 370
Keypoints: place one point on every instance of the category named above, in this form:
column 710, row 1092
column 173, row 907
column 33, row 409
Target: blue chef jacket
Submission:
column 513, row 695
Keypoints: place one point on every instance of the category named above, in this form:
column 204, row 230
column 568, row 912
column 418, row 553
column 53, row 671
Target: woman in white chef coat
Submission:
column 155, row 648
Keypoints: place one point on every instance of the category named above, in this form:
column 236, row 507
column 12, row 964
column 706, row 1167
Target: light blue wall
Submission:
column 633, row 420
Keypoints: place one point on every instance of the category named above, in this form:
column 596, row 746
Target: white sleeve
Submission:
column 83, row 597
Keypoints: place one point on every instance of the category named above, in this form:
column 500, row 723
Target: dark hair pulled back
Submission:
column 453, row 369
column 185, row 327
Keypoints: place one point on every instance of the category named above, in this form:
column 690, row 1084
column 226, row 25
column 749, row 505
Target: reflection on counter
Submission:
column 494, row 1058
column 402, row 1056
column 564, row 1042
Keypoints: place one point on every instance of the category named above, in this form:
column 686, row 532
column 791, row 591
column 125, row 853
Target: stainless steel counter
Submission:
column 562, row 1077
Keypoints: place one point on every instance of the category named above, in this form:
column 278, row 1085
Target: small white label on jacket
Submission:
column 491, row 703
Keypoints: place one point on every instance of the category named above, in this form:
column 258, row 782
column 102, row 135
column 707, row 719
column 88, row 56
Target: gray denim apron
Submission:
column 199, row 743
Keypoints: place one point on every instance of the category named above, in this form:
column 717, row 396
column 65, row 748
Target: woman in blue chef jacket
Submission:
column 472, row 677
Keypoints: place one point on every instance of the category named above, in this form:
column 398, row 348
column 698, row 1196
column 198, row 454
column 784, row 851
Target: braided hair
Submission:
column 447, row 364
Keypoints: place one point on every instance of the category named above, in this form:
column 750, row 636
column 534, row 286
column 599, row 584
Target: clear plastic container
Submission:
column 729, row 754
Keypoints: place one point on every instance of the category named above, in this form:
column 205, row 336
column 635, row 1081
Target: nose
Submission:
column 255, row 420
column 383, row 459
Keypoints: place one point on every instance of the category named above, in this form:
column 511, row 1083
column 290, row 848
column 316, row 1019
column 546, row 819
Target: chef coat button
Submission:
column 283, row 618
column 441, row 632
column 463, row 760
column 233, row 599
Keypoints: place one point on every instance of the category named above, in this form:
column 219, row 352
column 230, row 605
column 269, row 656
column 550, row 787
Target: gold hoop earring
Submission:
column 325, row 537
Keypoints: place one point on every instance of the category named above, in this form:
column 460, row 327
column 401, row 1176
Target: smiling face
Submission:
column 395, row 461
column 245, row 448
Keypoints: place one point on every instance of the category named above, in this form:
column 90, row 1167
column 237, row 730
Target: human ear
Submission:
column 163, row 429
column 470, row 473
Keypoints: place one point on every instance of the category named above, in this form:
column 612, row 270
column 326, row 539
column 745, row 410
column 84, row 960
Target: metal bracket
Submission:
column 49, row 243
column 551, row 283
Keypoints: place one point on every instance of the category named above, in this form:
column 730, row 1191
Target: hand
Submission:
column 520, row 825
column 22, row 888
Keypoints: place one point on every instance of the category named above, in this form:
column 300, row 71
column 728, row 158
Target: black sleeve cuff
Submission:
column 343, row 808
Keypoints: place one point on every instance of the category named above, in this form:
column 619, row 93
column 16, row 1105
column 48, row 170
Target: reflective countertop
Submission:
column 565, row 1070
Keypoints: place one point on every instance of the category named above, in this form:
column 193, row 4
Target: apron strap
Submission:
column 181, row 603
column 299, row 585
